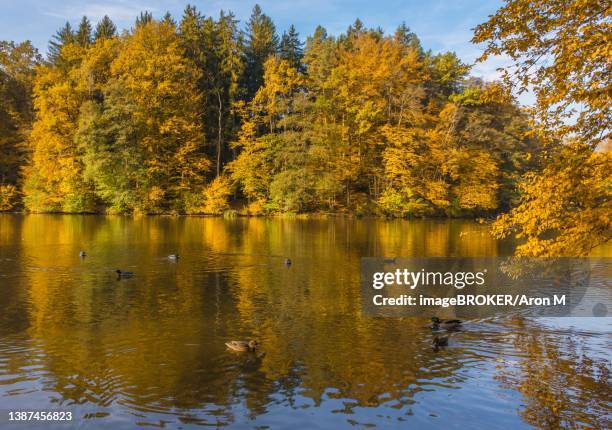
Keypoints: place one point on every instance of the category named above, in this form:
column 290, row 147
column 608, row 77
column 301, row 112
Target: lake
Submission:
column 149, row 350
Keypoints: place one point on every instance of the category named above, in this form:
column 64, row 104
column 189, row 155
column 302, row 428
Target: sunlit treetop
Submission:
column 563, row 51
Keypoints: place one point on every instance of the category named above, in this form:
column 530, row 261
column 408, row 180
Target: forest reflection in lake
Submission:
column 150, row 350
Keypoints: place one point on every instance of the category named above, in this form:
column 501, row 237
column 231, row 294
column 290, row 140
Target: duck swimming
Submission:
column 82, row 254
column 437, row 323
column 288, row 262
column 242, row 345
column 173, row 257
column 123, row 275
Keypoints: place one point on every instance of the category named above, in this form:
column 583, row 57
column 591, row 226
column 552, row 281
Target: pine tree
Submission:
column 230, row 48
column 225, row 86
column 262, row 42
column 216, row 49
column 355, row 29
column 319, row 58
column 105, row 29
column 406, row 37
column 291, row 48
column 144, row 18
column 83, row 35
column 63, row 36
column 168, row 19
column 190, row 30
column 198, row 39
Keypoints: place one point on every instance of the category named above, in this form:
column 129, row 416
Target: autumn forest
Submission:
column 206, row 115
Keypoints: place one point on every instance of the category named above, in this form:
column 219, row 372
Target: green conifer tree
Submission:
column 63, row 36
column 83, row 35
column 291, row 48
column 105, row 29
column 262, row 42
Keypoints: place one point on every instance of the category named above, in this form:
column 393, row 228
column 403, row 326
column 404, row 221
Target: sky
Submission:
column 442, row 25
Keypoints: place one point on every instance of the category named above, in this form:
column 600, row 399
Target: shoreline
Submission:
column 308, row 215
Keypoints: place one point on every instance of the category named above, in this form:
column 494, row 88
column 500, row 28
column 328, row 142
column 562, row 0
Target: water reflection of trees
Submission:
column 562, row 386
column 155, row 344
column 13, row 295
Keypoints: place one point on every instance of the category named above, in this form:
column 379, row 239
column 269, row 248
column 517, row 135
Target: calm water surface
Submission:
column 149, row 351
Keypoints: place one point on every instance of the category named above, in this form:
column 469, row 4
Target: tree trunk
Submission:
column 220, row 133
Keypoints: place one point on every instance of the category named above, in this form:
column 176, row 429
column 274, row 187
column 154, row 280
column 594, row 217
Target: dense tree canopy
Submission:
column 364, row 122
column 376, row 126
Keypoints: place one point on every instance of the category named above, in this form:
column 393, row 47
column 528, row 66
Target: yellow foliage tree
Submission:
column 54, row 176
column 561, row 50
column 566, row 209
column 216, row 196
column 377, row 81
column 159, row 84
